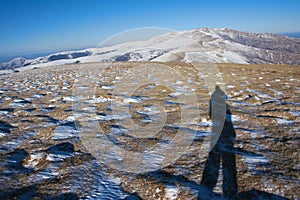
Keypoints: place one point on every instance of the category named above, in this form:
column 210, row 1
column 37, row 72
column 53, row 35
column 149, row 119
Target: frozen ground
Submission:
column 42, row 156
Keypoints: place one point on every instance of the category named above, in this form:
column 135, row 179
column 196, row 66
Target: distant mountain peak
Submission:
column 205, row 45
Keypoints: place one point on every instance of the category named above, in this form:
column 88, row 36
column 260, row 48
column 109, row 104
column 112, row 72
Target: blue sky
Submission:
column 45, row 25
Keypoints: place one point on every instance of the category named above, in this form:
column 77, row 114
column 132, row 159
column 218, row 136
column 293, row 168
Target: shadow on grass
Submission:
column 222, row 153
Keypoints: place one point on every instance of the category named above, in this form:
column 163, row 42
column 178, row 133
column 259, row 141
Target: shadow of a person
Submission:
column 222, row 147
column 222, row 151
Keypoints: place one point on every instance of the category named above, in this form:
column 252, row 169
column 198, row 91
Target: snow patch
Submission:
column 64, row 132
column 171, row 192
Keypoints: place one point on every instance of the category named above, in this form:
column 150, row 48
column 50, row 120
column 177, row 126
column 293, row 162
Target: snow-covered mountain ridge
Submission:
column 203, row 45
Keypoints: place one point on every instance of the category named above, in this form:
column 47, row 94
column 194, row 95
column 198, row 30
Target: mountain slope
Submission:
column 14, row 63
column 198, row 45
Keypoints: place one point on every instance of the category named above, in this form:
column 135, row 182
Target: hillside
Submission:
column 45, row 111
column 199, row 45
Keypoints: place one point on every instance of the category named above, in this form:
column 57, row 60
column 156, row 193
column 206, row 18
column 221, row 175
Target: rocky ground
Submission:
column 42, row 155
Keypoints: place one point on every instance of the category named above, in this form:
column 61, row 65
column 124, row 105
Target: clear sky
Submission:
column 44, row 25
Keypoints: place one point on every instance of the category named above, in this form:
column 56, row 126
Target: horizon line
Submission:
column 6, row 57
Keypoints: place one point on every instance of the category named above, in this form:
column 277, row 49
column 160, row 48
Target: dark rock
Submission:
column 61, row 147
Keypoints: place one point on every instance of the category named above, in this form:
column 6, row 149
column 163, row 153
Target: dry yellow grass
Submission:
column 264, row 100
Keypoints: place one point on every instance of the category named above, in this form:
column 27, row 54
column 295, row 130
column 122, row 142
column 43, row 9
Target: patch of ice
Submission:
column 205, row 123
column 64, row 132
column 12, row 144
column 50, row 106
column 2, row 134
column 153, row 160
column 3, row 112
column 18, row 103
column 171, row 192
column 260, row 94
column 234, row 118
column 277, row 92
column 118, row 130
column 252, row 161
column 255, row 159
column 116, row 180
column 106, row 187
column 295, row 113
column 107, row 87
column 132, row 100
column 69, row 98
column 230, row 86
column 34, row 160
column 57, row 157
column 55, row 99
column 99, row 100
column 89, row 108
column 284, row 121
column 219, row 83
column 149, row 110
column 7, row 98
column 48, row 173
column 74, row 117
column 175, row 94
